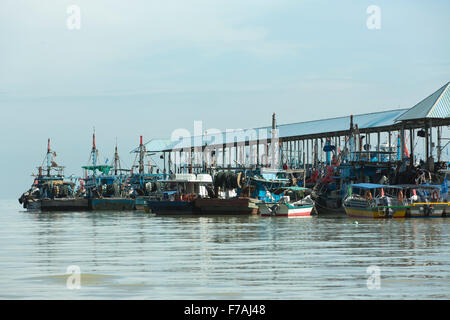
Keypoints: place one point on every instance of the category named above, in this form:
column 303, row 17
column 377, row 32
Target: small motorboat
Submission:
column 288, row 202
column 425, row 201
column 368, row 200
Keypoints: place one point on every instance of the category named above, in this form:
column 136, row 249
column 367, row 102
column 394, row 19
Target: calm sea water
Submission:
column 133, row 255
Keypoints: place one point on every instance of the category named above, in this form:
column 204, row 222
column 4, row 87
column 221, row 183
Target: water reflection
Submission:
column 136, row 255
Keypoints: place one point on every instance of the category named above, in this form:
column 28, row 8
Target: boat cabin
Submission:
column 369, row 191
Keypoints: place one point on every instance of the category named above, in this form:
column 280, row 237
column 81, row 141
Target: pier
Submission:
column 353, row 139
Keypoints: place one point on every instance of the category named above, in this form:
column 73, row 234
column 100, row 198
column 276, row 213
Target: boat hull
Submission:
column 233, row 206
column 284, row 210
column 33, row 205
column 170, row 207
column 428, row 211
column 64, row 204
column 140, row 203
column 323, row 210
column 120, row 204
column 375, row 212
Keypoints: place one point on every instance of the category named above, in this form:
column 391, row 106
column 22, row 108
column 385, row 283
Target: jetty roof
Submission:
column 436, row 105
column 369, row 122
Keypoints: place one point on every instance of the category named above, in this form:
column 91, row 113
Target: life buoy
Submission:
column 368, row 196
column 400, row 196
column 239, row 180
column 435, row 196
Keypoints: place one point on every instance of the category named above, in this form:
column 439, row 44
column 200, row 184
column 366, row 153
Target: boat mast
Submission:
column 94, row 153
column 141, row 157
column 274, row 143
column 351, row 140
column 116, row 160
column 49, row 158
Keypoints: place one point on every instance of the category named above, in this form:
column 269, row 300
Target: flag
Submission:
column 406, row 149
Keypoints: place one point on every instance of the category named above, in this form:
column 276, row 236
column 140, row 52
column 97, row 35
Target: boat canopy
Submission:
column 373, row 186
column 102, row 168
column 295, row 188
column 420, row 186
column 280, row 190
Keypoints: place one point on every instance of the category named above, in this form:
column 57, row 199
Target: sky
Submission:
column 149, row 67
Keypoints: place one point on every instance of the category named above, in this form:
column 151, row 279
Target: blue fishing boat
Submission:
column 104, row 188
column 50, row 190
column 178, row 194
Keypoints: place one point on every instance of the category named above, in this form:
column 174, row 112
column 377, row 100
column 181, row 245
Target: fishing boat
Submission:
column 50, row 190
column 292, row 202
column 240, row 192
column 178, row 194
column 425, row 201
column 143, row 185
column 229, row 206
column 368, row 200
column 105, row 188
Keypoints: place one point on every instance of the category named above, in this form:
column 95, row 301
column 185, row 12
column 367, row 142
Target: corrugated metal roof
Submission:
column 436, row 105
column 442, row 107
column 364, row 121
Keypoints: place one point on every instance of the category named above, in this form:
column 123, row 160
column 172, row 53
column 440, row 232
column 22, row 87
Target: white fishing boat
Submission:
column 292, row 202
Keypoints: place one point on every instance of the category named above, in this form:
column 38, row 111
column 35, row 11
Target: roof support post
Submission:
column 378, row 146
column 430, row 159
column 257, row 153
column 304, row 167
column 438, row 149
column 236, row 153
column 307, row 151
column 389, row 147
column 402, row 142
column 223, row 155
column 174, row 161
column 411, row 147
column 164, row 161
column 290, row 153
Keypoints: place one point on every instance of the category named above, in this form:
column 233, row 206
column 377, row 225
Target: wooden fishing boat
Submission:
column 188, row 188
column 425, row 201
column 167, row 207
column 297, row 204
column 139, row 202
column 111, row 204
column 367, row 200
column 64, row 204
column 230, row 206
column 50, row 190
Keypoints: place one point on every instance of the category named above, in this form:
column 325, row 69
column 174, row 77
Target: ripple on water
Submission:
column 125, row 255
